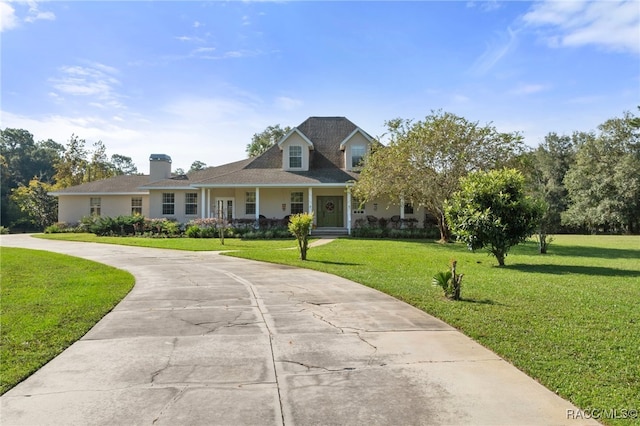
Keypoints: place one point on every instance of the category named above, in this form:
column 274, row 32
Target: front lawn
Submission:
column 178, row 243
column 49, row 301
column 570, row 319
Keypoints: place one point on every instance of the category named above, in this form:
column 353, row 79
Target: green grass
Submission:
column 49, row 301
column 570, row 319
column 191, row 244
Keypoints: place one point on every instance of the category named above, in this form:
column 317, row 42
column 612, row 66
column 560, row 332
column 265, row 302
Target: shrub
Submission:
column 193, row 231
column 52, row 229
column 300, row 227
column 450, row 281
column 4, row 230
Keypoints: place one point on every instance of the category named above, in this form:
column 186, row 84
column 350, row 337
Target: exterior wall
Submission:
column 271, row 202
column 357, row 140
column 179, row 213
column 295, row 139
column 72, row 208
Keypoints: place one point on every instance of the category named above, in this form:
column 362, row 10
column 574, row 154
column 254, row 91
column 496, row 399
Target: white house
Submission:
column 312, row 168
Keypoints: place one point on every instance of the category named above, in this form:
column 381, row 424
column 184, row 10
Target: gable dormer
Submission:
column 355, row 148
column 295, row 147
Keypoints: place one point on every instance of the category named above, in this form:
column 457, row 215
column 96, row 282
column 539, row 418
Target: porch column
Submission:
column 310, row 200
column 402, row 208
column 208, row 202
column 349, row 210
column 257, row 204
column 203, row 211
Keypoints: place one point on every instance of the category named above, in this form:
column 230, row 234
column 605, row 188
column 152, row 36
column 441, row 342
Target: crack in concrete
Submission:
column 156, row 373
column 317, row 367
column 171, row 402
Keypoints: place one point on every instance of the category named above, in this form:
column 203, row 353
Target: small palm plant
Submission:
column 450, row 282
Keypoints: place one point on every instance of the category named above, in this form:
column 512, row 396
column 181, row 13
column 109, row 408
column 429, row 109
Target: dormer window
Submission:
column 357, row 155
column 295, row 157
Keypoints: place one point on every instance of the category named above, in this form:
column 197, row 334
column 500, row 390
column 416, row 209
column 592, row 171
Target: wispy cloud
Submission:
column 8, row 18
column 497, row 49
column 95, row 80
column 485, row 6
column 25, row 11
column 613, row 25
column 527, row 89
column 286, row 103
column 35, row 14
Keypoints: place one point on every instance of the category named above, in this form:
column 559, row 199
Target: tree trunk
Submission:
column 500, row 257
column 444, row 229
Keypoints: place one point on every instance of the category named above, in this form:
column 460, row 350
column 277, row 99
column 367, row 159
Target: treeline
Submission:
column 29, row 170
column 588, row 181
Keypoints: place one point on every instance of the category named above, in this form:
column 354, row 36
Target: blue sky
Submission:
column 195, row 80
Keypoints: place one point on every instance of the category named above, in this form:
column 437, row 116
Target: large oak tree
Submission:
column 424, row 161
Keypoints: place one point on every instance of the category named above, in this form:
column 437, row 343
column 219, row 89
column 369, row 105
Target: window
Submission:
column 250, row 203
column 297, row 203
column 357, row 154
column 94, row 206
column 136, row 206
column 191, row 203
column 295, row 157
column 408, row 208
column 168, row 203
column 357, row 205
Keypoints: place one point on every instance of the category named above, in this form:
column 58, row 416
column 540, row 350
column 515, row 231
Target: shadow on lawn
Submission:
column 481, row 302
column 328, row 262
column 586, row 251
column 574, row 269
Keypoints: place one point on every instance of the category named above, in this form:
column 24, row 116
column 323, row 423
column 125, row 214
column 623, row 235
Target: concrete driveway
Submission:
column 205, row 339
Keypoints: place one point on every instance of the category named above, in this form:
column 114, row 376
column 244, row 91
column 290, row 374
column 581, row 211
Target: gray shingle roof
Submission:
column 326, row 166
column 124, row 184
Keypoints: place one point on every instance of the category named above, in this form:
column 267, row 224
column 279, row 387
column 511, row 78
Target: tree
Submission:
column 34, row 200
column 300, row 227
column 123, row 165
column 197, row 165
column 260, row 142
column 99, row 166
column 424, row 161
column 603, row 185
column 545, row 169
column 22, row 159
column 71, row 168
column 491, row 210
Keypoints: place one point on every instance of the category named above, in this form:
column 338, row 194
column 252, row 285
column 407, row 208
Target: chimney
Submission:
column 159, row 167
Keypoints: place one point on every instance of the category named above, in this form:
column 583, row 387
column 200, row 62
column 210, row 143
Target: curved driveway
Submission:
column 205, row 339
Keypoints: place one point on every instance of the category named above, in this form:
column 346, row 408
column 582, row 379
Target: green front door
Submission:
column 330, row 212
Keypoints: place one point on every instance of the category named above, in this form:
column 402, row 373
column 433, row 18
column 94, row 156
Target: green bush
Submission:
column 4, row 230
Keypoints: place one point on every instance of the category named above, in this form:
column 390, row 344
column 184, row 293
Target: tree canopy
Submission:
column 260, row 142
column 492, row 210
column 29, row 170
column 424, row 161
column 603, row 186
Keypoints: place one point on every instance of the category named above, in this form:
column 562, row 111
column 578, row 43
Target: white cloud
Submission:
column 486, row 5
column 8, row 18
column 287, row 103
column 495, row 51
column 527, row 89
column 613, row 25
column 94, row 80
column 11, row 18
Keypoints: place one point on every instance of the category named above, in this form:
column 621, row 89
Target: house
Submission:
column 312, row 168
